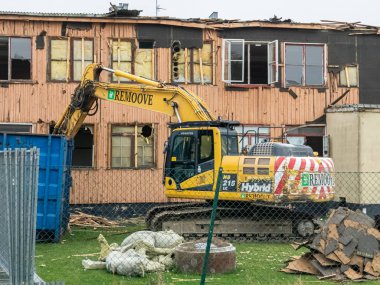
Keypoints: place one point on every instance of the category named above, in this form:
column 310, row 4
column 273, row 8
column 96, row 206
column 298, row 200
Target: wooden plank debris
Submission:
column 81, row 219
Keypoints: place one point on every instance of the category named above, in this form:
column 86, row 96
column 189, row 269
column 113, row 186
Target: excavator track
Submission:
column 192, row 221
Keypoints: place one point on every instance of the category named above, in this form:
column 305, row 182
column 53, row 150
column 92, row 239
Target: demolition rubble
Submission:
column 345, row 247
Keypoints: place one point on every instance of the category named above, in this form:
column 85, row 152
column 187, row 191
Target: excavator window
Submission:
column 229, row 145
column 206, row 147
column 184, row 149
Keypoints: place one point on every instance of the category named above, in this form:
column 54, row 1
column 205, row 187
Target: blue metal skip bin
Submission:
column 54, row 180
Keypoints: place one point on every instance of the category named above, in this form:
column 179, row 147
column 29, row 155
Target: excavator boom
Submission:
column 147, row 94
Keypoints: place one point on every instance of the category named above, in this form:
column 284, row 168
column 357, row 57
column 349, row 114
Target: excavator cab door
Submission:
column 190, row 155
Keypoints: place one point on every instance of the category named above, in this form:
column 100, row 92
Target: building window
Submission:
column 349, row 76
column 15, row 128
column 83, row 153
column 130, row 149
column 138, row 61
column 15, row 58
column 191, row 65
column 250, row 62
column 69, row 58
column 305, row 64
column 307, row 135
column 248, row 135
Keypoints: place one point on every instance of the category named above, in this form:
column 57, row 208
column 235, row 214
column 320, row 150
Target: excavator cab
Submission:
column 194, row 154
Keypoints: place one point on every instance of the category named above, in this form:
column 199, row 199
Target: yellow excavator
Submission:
column 258, row 190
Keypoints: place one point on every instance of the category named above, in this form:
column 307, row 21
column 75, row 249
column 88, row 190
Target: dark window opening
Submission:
column 4, row 51
column 316, row 143
column 16, row 128
column 146, row 44
column 83, row 147
column 16, row 55
column 256, row 67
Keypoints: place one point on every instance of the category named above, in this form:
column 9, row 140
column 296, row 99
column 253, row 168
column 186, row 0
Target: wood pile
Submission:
column 345, row 247
column 86, row 220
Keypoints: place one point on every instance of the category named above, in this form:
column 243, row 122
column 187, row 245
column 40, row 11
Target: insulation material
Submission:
column 58, row 55
column 204, row 75
column 121, row 58
column 143, row 63
column 82, row 56
column 350, row 73
column 140, row 252
column 333, row 256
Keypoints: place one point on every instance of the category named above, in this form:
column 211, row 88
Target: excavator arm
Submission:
column 148, row 94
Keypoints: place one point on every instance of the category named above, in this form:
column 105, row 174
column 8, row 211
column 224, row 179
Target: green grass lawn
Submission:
column 257, row 263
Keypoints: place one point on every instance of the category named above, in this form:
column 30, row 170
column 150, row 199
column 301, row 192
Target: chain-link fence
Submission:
column 149, row 233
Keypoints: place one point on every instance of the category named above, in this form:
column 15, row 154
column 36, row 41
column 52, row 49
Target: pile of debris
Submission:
column 139, row 253
column 345, row 247
column 86, row 220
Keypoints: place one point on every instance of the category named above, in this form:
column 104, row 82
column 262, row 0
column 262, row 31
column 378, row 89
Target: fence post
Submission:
column 211, row 227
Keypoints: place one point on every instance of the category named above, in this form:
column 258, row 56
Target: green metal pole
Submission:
column 211, row 227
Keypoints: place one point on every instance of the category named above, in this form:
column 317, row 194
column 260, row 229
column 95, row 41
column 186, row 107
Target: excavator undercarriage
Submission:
column 235, row 221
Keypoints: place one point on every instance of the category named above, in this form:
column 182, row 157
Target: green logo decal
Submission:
column 111, row 94
column 243, row 195
column 305, row 179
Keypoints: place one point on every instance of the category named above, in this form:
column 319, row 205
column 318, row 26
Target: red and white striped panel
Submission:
column 288, row 171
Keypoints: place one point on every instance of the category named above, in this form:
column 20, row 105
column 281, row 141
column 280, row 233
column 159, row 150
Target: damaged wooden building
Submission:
column 273, row 77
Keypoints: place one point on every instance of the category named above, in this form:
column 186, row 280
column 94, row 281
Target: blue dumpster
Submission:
column 54, row 180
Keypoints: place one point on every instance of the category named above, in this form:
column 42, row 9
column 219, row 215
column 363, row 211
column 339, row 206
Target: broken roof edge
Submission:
column 190, row 22
column 353, row 108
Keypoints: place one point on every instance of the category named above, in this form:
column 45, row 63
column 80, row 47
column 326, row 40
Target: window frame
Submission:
column 252, row 135
column 133, row 49
column 271, row 46
column 134, row 157
column 324, row 64
column 190, row 78
column 93, row 166
column 70, row 40
column 83, row 39
column 348, row 83
column 30, row 125
column 10, row 80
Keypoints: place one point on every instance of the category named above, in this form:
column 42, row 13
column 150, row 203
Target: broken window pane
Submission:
column 124, row 141
column 4, row 58
column 294, row 74
column 20, row 58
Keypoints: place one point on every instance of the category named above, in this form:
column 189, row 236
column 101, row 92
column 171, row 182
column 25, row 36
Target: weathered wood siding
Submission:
column 40, row 102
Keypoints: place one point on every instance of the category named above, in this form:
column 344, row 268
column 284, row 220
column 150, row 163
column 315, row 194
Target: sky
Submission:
column 306, row 11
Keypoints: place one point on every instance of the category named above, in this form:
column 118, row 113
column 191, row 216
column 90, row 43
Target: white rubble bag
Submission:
column 140, row 252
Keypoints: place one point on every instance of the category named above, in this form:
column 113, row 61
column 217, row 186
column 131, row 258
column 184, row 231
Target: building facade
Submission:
column 272, row 77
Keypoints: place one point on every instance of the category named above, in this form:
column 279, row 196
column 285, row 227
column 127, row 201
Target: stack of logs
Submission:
column 345, row 247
